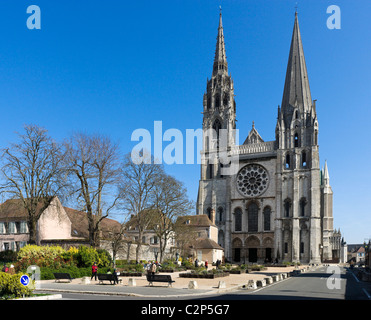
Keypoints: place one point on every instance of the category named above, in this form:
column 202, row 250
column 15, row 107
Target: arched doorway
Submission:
column 268, row 249
column 237, row 249
column 252, row 246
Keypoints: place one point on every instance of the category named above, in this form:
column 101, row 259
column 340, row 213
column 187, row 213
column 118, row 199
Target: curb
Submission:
column 49, row 297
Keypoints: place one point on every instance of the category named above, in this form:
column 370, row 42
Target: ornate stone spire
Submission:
column 296, row 93
column 326, row 176
column 220, row 60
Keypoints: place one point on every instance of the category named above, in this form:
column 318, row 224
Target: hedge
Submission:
column 75, row 272
column 11, row 287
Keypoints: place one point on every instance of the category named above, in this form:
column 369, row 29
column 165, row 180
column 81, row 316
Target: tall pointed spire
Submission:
column 296, row 93
column 326, row 176
column 220, row 60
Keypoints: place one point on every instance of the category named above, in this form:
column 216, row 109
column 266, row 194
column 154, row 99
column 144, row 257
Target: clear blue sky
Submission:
column 114, row 66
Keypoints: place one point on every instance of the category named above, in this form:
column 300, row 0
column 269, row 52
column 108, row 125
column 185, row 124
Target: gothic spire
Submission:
column 326, row 176
column 296, row 91
column 220, row 60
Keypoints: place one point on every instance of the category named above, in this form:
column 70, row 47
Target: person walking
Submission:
column 94, row 270
column 206, row 264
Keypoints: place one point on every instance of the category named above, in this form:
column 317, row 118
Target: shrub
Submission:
column 11, row 287
column 105, row 259
column 87, row 256
column 43, row 256
column 8, row 256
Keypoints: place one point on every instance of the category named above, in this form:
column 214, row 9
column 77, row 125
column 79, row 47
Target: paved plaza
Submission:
column 179, row 288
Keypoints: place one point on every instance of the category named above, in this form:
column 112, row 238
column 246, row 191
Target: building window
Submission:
column 220, row 214
column 304, row 159
column 286, row 207
column 12, row 228
column 252, row 216
column 208, row 212
column 286, row 247
column 303, row 203
column 154, row 240
column 287, row 163
column 301, row 247
column 24, row 227
column 22, row 244
column 296, row 140
column 267, row 218
column 210, row 170
column 2, row 228
column 217, row 126
column 217, row 101
column 238, row 220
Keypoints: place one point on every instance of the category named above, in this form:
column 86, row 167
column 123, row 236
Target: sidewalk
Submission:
column 179, row 288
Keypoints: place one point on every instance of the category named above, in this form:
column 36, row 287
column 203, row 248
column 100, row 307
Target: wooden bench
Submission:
column 107, row 277
column 159, row 278
column 62, row 276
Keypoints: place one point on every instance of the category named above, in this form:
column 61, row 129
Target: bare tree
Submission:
column 170, row 201
column 33, row 172
column 93, row 162
column 139, row 180
column 117, row 241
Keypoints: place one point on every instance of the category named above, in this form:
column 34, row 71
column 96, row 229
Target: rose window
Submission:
column 252, row 180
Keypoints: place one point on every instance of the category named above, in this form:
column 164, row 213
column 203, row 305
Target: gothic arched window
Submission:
column 286, row 207
column 220, row 214
column 217, row 101
column 237, row 219
column 304, row 159
column 217, row 126
column 287, row 163
column 267, row 218
column 208, row 212
column 303, row 203
column 296, row 140
column 252, row 217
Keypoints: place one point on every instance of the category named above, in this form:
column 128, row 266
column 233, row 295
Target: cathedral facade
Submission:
column 277, row 203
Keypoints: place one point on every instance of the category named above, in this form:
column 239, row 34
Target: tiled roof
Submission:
column 198, row 220
column 206, row 243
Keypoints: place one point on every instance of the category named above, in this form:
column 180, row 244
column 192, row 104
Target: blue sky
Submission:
column 114, row 66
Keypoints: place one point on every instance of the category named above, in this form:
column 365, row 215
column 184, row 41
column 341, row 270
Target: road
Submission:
column 318, row 284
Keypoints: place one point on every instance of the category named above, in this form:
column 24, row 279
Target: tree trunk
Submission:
column 32, row 230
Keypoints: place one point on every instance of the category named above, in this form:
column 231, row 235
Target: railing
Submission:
column 254, row 148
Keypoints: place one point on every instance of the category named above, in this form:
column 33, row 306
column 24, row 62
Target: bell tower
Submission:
column 219, row 122
column 298, row 233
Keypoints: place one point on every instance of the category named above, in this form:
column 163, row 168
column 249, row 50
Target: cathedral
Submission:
column 277, row 204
